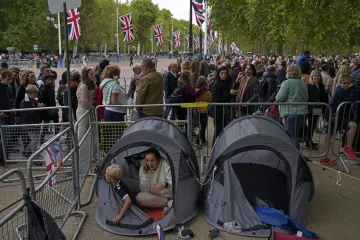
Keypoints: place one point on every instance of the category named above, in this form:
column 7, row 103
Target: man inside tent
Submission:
column 155, row 181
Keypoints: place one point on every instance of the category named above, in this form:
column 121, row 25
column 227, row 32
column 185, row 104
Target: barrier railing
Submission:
column 110, row 131
column 346, row 132
column 19, row 141
column 59, row 193
column 13, row 219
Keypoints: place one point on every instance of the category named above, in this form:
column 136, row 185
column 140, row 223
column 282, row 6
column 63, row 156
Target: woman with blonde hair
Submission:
column 85, row 96
column 344, row 69
column 113, row 94
column 293, row 90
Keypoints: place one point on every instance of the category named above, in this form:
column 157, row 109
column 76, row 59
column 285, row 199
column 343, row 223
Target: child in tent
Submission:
column 113, row 176
column 202, row 111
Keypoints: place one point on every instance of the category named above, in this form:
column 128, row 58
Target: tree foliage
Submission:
column 23, row 24
column 323, row 26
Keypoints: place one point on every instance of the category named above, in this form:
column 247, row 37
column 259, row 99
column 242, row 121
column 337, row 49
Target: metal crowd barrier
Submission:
column 19, row 141
column 109, row 132
column 13, row 218
column 59, row 193
column 208, row 125
column 346, row 132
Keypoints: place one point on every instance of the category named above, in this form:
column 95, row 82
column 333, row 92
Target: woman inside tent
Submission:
column 155, row 181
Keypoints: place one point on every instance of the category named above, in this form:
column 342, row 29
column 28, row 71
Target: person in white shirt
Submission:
column 155, row 181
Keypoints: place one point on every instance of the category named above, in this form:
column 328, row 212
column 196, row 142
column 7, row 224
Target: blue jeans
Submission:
column 111, row 116
column 294, row 124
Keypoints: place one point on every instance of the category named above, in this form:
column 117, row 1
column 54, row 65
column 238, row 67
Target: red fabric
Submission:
column 282, row 236
column 99, row 98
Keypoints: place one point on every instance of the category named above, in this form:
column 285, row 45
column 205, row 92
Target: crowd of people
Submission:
column 239, row 80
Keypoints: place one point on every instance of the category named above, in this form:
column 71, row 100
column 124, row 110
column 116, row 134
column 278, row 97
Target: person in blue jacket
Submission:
column 304, row 57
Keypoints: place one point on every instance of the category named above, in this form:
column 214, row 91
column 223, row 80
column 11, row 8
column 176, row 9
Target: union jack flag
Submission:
column 158, row 34
column 198, row 11
column 73, row 23
column 187, row 40
column 177, row 37
column 211, row 35
column 220, row 46
column 234, row 47
column 126, row 24
column 197, row 43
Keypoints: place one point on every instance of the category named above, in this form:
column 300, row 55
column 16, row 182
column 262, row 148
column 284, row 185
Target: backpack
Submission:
column 178, row 95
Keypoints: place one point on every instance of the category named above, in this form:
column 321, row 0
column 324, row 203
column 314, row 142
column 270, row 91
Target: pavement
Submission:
column 333, row 212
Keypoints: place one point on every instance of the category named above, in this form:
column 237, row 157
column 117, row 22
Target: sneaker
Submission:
column 325, row 161
column 183, row 233
column 352, row 162
column 232, row 226
column 168, row 206
column 349, row 152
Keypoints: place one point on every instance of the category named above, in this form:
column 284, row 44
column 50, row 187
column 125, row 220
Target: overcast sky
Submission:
column 179, row 8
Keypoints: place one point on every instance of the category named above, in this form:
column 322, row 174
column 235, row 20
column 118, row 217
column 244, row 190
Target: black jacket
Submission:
column 30, row 117
column 47, row 95
column 170, row 84
column 5, row 103
column 281, row 74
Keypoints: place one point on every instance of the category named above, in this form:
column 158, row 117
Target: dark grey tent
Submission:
column 254, row 161
column 174, row 146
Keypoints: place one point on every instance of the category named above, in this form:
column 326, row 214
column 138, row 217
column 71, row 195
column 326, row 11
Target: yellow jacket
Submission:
column 205, row 97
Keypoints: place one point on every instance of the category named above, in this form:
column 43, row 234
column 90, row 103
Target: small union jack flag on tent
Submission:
column 127, row 27
column 73, row 23
column 198, row 11
column 160, row 233
column 158, row 34
column 177, row 38
column 187, row 40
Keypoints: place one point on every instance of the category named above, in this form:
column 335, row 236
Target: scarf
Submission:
column 107, row 86
column 242, row 88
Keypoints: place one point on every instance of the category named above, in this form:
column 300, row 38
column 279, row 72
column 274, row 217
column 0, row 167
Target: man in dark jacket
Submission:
column 5, row 104
column 47, row 97
column 170, row 84
column 74, row 83
column 281, row 73
column 150, row 90
column 102, row 65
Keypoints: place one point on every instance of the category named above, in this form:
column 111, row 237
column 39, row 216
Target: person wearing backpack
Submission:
column 268, row 85
column 184, row 93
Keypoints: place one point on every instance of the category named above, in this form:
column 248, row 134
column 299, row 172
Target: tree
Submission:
column 144, row 14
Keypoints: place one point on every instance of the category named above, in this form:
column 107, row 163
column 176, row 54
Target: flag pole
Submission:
column 172, row 36
column 190, row 31
column 152, row 41
column 59, row 33
column 117, row 32
column 206, row 27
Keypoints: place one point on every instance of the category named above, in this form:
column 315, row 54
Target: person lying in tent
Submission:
column 113, row 175
column 155, row 181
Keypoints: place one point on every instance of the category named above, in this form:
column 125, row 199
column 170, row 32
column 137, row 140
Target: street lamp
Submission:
column 50, row 18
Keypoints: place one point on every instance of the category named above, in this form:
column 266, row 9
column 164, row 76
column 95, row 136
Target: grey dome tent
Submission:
column 254, row 162
column 174, row 146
